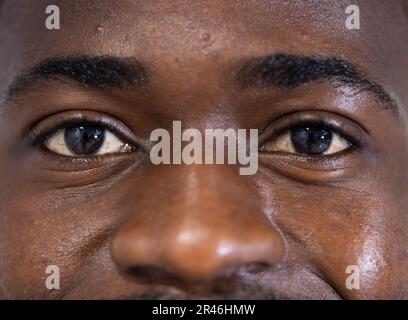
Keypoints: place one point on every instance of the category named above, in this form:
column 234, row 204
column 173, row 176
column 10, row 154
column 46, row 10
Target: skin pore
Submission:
column 119, row 227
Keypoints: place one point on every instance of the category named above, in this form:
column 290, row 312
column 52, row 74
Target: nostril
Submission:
column 255, row 267
column 248, row 268
column 152, row 275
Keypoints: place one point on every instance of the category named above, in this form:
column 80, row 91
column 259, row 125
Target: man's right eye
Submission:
column 85, row 140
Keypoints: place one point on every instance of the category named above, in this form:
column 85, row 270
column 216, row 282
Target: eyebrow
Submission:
column 102, row 72
column 290, row 71
column 279, row 70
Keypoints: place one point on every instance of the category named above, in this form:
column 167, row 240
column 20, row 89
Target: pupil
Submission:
column 311, row 140
column 84, row 139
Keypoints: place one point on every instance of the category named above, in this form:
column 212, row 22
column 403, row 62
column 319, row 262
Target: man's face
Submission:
column 330, row 105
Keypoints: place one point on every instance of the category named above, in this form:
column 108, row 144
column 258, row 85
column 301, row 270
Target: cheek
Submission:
column 48, row 217
column 331, row 229
column 25, row 250
column 40, row 228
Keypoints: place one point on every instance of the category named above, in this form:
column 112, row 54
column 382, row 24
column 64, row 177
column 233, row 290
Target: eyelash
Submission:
column 276, row 128
column 357, row 140
column 38, row 139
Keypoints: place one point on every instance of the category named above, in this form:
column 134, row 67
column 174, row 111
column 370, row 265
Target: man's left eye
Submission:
column 309, row 140
column 85, row 140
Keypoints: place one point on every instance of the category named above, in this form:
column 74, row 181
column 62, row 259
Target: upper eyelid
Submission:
column 43, row 130
column 299, row 113
column 343, row 126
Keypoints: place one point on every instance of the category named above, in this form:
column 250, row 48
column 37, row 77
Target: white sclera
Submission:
column 111, row 144
column 284, row 144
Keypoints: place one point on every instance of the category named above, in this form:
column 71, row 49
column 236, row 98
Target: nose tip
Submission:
column 201, row 225
column 208, row 260
column 194, row 254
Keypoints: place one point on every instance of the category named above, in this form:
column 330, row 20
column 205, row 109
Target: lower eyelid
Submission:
column 312, row 169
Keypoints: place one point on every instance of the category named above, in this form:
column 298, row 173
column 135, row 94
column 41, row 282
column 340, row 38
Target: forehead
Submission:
column 137, row 24
column 180, row 30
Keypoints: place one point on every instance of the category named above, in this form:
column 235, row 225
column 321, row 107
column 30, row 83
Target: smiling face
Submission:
column 78, row 189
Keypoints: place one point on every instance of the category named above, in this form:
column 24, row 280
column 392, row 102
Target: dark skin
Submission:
column 120, row 227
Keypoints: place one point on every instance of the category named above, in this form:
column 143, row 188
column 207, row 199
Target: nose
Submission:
column 202, row 222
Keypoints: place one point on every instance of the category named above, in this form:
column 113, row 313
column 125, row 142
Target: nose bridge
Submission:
column 206, row 220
